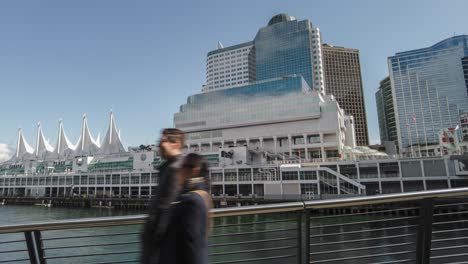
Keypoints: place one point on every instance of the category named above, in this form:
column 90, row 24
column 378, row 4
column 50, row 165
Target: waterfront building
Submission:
column 241, row 170
column 430, row 91
column 386, row 111
column 284, row 47
column 267, row 139
column 343, row 79
column 282, row 116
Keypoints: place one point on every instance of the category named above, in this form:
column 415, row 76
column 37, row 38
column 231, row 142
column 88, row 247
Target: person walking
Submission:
column 155, row 233
column 192, row 222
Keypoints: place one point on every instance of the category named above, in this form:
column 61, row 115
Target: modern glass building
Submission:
column 430, row 90
column 281, row 116
column 284, row 47
column 277, row 99
column 386, row 111
column 288, row 46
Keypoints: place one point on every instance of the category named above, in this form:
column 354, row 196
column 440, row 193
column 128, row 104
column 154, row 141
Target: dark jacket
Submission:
column 186, row 239
column 155, row 229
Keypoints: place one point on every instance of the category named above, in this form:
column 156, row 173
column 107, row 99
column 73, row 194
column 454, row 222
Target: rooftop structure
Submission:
column 64, row 149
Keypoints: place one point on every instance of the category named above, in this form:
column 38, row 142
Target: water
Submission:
column 27, row 214
column 10, row 214
column 279, row 233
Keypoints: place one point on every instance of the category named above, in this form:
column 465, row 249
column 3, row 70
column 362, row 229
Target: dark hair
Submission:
column 174, row 134
column 193, row 160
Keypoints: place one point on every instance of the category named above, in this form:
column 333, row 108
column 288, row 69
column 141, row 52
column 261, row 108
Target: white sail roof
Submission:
column 86, row 144
column 23, row 149
column 112, row 143
column 43, row 147
column 64, row 147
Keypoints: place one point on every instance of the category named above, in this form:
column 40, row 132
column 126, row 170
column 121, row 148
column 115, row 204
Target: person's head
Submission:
column 194, row 166
column 171, row 142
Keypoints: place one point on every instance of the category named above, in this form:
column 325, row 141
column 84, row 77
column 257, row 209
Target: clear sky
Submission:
column 60, row 59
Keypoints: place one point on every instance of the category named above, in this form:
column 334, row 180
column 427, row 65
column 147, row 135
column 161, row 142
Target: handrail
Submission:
column 385, row 198
column 245, row 210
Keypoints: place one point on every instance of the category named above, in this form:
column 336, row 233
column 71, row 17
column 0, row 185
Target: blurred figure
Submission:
column 155, row 233
column 192, row 222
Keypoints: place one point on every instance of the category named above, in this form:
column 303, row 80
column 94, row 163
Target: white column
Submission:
column 322, row 149
column 275, row 144
column 305, row 147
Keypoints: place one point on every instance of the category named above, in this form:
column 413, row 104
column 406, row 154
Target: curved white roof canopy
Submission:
column 86, row 144
column 112, row 143
column 64, row 147
column 23, row 149
column 43, row 147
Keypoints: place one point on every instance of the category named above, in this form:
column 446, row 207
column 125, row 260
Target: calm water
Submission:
column 280, row 236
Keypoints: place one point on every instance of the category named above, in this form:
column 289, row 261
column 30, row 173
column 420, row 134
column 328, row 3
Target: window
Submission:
column 298, row 140
column 314, row 139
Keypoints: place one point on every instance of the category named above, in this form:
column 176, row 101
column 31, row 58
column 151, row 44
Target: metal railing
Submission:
column 420, row 227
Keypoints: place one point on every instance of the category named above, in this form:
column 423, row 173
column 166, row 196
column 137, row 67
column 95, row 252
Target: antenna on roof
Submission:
column 220, row 45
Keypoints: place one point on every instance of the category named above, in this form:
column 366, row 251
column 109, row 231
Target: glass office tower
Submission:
column 429, row 90
column 386, row 112
column 287, row 46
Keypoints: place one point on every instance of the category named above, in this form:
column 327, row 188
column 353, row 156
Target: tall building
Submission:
column 277, row 103
column 343, row 80
column 284, row 47
column 230, row 67
column 287, row 46
column 430, row 90
column 386, row 111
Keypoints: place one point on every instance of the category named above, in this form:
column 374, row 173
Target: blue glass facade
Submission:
column 273, row 100
column 429, row 90
column 286, row 48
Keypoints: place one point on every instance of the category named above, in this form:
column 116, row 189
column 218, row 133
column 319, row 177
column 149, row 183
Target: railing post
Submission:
column 31, row 249
column 307, row 237
column 424, row 237
column 299, row 237
column 39, row 247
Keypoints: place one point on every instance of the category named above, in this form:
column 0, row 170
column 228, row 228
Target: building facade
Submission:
column 282, row 116
column 230, row 67
column 287, row 46
column 284, row 47
column 430, row 91
column 343, row 79
column 386, row 112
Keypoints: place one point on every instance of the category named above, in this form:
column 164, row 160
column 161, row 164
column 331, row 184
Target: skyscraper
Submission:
column 386, row 111
column 287, row 46
column 284, row 47
column 344, row 81
column 230, row 67
column 430, row 90
column 277, row 104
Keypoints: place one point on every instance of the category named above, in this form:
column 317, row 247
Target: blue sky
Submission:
column 60, row 59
